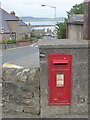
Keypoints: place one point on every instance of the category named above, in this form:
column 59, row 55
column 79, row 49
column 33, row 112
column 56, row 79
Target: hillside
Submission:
column 28, row 18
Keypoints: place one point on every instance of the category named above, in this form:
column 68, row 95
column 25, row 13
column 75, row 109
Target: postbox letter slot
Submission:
column 60, row 62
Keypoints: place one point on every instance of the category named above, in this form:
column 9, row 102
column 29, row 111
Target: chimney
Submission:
column 12, row 13
column 87, row 19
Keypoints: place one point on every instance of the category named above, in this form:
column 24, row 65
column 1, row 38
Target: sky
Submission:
column 33, row 7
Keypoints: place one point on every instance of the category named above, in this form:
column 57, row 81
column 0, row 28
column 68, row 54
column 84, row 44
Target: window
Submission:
column 23, row 36
column 13, row 36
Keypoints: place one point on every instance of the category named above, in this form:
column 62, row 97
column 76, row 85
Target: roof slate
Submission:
column 8, row 17
column 21, row 23
column 76, row 18
column 5, row 17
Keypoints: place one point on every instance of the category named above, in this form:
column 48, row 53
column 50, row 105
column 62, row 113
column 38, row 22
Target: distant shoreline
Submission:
column 41, row 25
column 31, row 19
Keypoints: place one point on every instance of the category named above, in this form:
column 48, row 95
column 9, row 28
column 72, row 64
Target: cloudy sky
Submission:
column 34, row 8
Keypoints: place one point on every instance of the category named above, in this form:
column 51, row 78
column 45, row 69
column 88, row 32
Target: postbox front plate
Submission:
column 59, row 79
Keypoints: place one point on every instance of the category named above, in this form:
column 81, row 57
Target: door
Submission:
column 60, row 87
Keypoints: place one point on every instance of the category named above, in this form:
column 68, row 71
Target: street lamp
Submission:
column 51, row 7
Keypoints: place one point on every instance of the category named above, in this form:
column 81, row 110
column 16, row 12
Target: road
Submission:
column 27, row 57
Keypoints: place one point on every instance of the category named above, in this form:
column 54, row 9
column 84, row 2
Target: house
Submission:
column 75, row 26
column 24, row 29
column 39, row 31
column 12, row 28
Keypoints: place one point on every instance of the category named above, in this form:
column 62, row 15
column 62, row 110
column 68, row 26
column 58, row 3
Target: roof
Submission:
column 7, row 17
column 29, row 29
column 5, row 27
column 39, row 30
column 76, row 19
column 21, row 23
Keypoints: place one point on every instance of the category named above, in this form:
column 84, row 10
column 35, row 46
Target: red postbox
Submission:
column 60, row 67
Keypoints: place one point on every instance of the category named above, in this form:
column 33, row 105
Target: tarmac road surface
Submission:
column 27, row 57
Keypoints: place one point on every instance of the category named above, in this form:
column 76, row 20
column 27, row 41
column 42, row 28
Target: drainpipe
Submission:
column 86, row 20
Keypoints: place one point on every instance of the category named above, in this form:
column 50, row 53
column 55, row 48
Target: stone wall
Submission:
column 5, row 37
column 6, row 46
column 20, row 93
column 0, row 37
column 79, row 87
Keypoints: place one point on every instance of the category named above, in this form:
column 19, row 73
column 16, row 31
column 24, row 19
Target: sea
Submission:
column 43, row 22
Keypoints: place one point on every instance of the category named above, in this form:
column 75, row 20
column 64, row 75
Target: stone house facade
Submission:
column 12, row 28
column 24, row 29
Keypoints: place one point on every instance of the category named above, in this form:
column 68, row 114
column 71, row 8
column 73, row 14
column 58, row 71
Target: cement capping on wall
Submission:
column 62, row 43
column 86, row 0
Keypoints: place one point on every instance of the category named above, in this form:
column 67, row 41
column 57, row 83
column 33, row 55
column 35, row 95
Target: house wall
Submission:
column 20, row 36
column 14, row 27
column 75, row 31
column 0, row 37
column 5, row 37
column 24, row 29
column 39, row 31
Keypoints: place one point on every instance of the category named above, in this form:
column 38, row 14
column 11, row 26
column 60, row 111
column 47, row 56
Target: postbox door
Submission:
column 60, row 87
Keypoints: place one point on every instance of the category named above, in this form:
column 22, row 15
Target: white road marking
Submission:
column 6, row 65
column 34, row 45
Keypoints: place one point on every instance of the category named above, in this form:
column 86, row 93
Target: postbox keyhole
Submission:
column 59, row 71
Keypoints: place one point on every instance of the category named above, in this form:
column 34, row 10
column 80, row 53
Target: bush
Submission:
column 32, row 34
column 32, row 39
column 39, row 36
column 26, row 36
column 61, row 28
column 8, row 42
column 2, row 42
